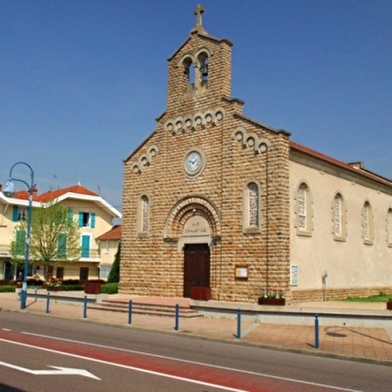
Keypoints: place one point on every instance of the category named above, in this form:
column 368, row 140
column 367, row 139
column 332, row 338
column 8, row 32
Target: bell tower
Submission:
column 200, row 70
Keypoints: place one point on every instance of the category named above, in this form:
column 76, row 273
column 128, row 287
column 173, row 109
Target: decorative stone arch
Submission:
column 182, row 212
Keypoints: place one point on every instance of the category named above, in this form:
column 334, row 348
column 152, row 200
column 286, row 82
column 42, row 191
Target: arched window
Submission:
column 251, row 208
column 143, row 215
column 303, row 210
column 389, row 227
column 367, row 225
column 339, row 218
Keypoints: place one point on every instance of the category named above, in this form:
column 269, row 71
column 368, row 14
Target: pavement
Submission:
column 366, row 344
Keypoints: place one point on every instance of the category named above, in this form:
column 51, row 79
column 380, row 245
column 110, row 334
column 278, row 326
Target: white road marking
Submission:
column 126, row 367
column 198, row 363
column 59, row 371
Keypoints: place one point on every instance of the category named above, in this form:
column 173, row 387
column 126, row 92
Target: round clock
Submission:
column 194, row 161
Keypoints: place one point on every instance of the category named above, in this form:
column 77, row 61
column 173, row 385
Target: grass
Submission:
column 381, row 297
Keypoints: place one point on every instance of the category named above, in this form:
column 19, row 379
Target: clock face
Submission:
column 193, row 162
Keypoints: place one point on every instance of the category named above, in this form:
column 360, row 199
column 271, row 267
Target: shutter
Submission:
column 15, row 214
column 92, row 220
column 69, row 217
column 80, row 219
column 62, row 245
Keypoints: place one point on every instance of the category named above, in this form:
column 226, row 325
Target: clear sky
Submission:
column 82, row 81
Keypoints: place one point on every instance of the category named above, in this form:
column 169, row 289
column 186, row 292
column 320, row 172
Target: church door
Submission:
column 196, row 267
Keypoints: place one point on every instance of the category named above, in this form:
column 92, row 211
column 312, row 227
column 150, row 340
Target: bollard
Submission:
column 47, row 302
column 239, row 323
column 36, row 295
column 85, row 307
column 176, row 324
column 130, row 313
column 316, row 332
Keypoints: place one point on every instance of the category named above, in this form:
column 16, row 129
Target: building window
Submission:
column 303, row 210
column 251, row 208
column 86, row 219
column 19, row 213
column 143, row 215
column 389, row 227
column 339, row 218
column 367, row 224
column 60, row 273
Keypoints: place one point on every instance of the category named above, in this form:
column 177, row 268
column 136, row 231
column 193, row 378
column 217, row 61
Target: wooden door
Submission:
column 196, row 267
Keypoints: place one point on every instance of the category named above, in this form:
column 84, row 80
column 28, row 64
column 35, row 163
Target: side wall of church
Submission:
column 355, row 267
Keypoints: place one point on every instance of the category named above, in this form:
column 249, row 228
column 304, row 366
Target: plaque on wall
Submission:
column 241, row 272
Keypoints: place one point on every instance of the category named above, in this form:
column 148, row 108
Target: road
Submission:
column 44, row 353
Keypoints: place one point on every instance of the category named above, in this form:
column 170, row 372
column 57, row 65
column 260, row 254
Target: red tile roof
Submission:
column 50, row 195
column 350, row 167
column 113, row 234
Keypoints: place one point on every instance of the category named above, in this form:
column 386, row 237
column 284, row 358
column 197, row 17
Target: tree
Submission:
column 54, row 237
column 114, row 274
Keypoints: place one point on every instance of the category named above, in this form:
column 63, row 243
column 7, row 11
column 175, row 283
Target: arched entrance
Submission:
column 194, row 222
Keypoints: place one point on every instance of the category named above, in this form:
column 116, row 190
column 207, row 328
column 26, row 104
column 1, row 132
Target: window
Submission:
column 19, row 213
column 86, row 219
column 367, row 224
column 85, row 246
column 143, row 215
column 339, row 218
column 251, row 208
column 389, row 227
column 60, row 273
column 303, row 210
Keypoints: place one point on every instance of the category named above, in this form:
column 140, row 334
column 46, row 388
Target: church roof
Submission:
column 355, row 168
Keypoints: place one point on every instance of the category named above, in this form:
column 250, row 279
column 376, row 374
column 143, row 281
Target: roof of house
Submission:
column 77, row 192
column 113, row 234
column 78, row 189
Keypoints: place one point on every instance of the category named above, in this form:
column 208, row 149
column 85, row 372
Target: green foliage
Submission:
column 109, row 288
column 7, row 289
column 54, row 237
column 114, row 275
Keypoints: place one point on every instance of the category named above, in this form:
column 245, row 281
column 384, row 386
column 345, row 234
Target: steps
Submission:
column 143, row 308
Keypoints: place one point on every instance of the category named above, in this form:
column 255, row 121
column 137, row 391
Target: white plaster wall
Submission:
column 350, row 263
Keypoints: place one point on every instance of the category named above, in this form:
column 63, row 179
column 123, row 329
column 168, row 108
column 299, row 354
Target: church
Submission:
column 220, row 206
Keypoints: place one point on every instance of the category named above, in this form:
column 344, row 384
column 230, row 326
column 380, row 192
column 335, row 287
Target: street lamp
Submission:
column 8, row 191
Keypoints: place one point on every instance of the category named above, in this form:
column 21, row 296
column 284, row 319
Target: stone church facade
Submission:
column 219, row 206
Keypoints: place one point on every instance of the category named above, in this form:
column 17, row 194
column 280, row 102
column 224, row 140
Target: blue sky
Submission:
column 82, row 81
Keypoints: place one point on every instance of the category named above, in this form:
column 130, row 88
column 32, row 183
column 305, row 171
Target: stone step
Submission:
column 146, row 309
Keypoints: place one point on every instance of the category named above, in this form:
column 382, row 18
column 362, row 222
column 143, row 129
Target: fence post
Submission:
column 176, row 324
column 239, row 323
column 130, row 313
column 316, row 332
column 85, row 307
column 47, row 302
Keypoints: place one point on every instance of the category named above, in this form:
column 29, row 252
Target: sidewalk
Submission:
column 362, row 344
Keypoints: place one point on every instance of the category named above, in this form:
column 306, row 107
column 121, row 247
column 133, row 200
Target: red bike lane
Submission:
column 229, row 379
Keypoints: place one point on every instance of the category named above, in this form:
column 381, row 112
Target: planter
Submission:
column 92, row 287
column 389, row 305
column 272, row 301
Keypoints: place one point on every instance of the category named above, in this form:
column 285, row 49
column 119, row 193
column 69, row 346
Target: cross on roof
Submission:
column 198, row 12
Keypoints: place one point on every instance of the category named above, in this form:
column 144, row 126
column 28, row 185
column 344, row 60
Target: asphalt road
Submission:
column 44, row 353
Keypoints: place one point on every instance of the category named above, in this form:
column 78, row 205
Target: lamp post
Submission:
column 8, row 191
